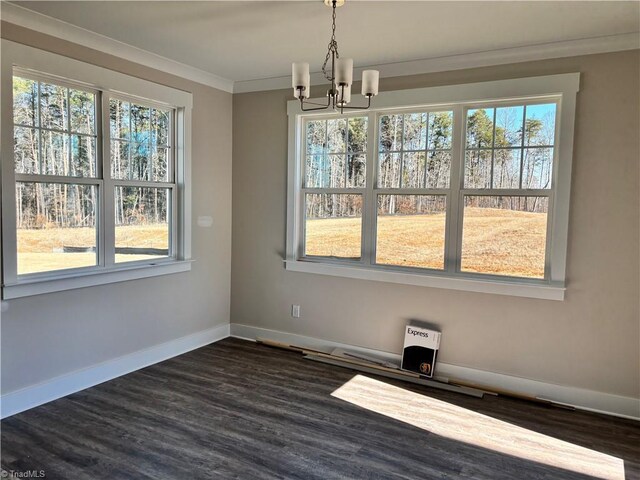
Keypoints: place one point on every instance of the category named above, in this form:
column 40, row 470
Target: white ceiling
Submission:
column 246, row 40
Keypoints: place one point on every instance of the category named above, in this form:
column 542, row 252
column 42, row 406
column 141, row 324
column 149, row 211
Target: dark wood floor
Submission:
column 239, row 410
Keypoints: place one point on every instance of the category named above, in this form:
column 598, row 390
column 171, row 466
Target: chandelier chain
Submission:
column 332, row 47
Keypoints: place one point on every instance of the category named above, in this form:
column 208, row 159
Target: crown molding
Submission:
column 570, row 48
column 26, row 18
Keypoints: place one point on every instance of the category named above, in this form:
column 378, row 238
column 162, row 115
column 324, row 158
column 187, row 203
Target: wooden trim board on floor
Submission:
column 375, row 367
column 396, row 375
column 580, row 398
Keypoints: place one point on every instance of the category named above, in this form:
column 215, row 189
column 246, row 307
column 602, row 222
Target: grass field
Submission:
column 495, row 241
column 502, row 242
column 40, row 250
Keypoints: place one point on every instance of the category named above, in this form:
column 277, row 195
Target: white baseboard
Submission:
column 29, row 397
column 32, row 396
column 580, row 398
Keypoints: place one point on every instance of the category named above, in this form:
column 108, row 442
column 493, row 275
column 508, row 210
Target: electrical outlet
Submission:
column 295, row 311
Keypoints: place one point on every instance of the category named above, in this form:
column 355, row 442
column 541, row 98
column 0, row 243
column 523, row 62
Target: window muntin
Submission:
column 64, row 186
column 504, row 164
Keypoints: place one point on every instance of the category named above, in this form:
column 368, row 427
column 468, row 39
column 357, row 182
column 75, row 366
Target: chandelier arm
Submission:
column 347, row 107
column 307, row 102
column 321, row 106
column 314, row 108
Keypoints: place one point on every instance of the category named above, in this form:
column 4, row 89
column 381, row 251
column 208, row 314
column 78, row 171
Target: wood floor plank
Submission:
column 238, row 410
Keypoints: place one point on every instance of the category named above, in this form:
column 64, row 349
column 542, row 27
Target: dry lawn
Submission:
column 494, row 241
column 41, row 250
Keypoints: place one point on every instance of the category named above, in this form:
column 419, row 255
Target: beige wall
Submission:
column 49, row 335
column 590, row 340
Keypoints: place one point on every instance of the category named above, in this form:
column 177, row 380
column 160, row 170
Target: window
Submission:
column 98, row 178
column 141, row 166
column 469, row 191
column 335, row 160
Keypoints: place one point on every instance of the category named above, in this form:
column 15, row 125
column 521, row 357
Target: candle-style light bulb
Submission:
column 307, row 88
column 344, row 94
column 370, row 82
column 344, row 71
column 300, row 78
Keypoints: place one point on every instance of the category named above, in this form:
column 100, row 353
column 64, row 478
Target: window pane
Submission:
column 160, row 127
column 336, row 171
column 357, row 134
column 25, row 101
column 333, row 226
column 413, row 165
column 537, row 168
column 337, row 135
column 314, row 169
column 415, row 131
column 325, row 171
column 390, row 133
column 160, row 160
column 389, row 173
column 53, row 107
column 56, row 226
column 316, row 136
column 55, row 153
column 477, row 169
column 140, row 126
column 82, row 106
column 509, row 126
column 440, row 130
column 119, row 119
column 540, row 124
column 142, row 223
column 410, row 230
column 505, row 235
column 438, row 169
column 356, row 171
column 83, row 156
column 140, row 156
column 25, row 150
column 480, row 128
column 506, row 168
column 119, row 159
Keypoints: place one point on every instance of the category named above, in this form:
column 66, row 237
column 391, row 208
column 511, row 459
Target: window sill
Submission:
column 62, row 282
column 498, row 287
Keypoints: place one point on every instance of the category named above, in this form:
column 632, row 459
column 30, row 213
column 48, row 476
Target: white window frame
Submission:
column 561, row 88
column 107, row 84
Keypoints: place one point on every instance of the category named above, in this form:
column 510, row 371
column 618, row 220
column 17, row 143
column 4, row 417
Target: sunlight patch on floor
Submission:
column 463, row 425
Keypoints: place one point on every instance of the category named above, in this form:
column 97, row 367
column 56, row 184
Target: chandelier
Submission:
column 339, row 73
